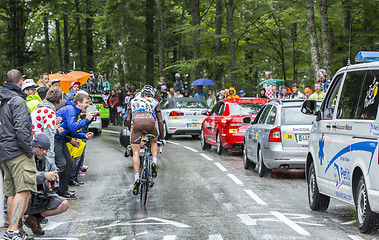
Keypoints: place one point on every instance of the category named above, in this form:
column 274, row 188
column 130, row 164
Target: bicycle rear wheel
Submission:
column 144, row 190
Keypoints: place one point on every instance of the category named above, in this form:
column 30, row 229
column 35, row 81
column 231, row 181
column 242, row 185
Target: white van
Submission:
column 343, row 160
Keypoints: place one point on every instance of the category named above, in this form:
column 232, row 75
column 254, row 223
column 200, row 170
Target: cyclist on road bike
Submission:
column 143, row 113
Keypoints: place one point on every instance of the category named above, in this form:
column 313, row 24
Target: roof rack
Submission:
column 281, row 101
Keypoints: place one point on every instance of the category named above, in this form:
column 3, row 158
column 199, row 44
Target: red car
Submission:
column 223, row 126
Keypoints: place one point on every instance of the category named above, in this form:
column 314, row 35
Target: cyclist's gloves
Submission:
column 161, row 141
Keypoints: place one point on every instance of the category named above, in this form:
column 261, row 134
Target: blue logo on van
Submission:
column 361, row 146
column 321, row 144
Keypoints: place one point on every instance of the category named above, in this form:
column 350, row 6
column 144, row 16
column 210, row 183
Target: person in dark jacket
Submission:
column 16, row 151
column 71, row 125
column 113, row 103
column 262, row 93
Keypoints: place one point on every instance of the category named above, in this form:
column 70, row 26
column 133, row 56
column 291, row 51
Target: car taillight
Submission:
column 105, row 105
column 232, row 124
column 176, row 114
column 275, row 135
column 97, row 115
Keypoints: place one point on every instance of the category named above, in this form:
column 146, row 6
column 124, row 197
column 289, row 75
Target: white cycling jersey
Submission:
column 140, row 104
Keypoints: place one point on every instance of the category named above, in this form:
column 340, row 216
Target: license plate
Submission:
column 233, row 130
column 194, row 125
column 303, row 138
column 288, row 136
column 175, row 118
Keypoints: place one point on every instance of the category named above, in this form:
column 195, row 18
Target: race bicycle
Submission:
column 146, row 178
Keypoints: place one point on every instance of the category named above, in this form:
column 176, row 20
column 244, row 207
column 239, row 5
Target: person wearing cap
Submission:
column 307, row 92
column 47, row 179
column 28, row 87
column 16, row 151
column 161, row 83
column 242, row 94
column 33, row 100
column 73, row 90
column 178, row 84
column 55, row 83
column 164, row 92
column 44, row 80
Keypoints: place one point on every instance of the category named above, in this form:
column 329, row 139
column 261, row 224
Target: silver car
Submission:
column 96, row 124
column 278, row 137
column 183, row 116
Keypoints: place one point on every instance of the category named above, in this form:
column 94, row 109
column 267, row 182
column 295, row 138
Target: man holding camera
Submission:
column 45, row 202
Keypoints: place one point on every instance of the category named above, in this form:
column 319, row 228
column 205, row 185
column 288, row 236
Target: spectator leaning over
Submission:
column 211, row 100
column 71, row 125
column 318, row 95
column 200, row 93
column 40, row 207
column 28, row 87
column 178, row 84
column 16, row 151
column 44, row 118
column 44, row 80
column 33, row 100
column 275, row 93
column 242, row 94
column 232, row 93
column 322, row 78
column 296, row 94
column 113, row 103
column 262, row 93
column 307, row 93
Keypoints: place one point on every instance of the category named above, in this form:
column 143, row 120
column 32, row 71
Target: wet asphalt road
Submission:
column 197, row 195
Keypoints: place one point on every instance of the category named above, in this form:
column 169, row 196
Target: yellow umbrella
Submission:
column 79, row 76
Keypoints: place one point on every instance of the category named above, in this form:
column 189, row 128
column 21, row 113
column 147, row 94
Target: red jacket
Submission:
column 113, row 101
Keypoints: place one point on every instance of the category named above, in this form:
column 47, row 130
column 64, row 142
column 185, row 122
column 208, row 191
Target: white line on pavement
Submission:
column 355, row 237
column 118, row 237
column 215, row 237
column 247, row 220
column 173, row 142
column 290, row 223
column 58, row 238
column 349, row 222
column 189, row 148
column 255, row 197
column 206, row 156
column 169, row 237
column 110, row 131
column 221, row 167
column 235, row 179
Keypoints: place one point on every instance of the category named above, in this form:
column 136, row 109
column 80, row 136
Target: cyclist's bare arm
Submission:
column 160, row 121
column 129, row 116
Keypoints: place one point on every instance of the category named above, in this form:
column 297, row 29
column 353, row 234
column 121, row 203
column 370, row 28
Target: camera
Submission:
column 54, row 185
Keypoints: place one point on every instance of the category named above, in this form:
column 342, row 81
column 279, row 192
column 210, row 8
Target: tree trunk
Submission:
column 149, row 42
column 346, row 22
column 65, row 44
column 219, row 67
column 230, row 30
column 121, row 74
column 80, row 43
column 89, row 38
column 294, row 55
column 160, row 38
column 195, row 12
column 47, row 43
column 311, row 28
column 59, row 46
column 326, row 37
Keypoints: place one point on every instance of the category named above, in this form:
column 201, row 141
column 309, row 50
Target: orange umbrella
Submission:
column 79, row 76
column 65, row 81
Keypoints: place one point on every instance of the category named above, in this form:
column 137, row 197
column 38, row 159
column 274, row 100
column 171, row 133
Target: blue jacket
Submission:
column 70, row 123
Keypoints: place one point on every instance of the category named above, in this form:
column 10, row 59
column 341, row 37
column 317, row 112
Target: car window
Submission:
column 215, row 109
column 221, row 110
column 97, row 100
column 245, row 108
column 331, row 99
column 264, row 114
column 293, row 116
column 189, row 104
column 358, row 97
column 164, row 104
column 271, row 116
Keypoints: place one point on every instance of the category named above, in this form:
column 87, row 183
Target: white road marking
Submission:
column 215, row 237
column 189, row 148
column 146, row 221
column 173, row 142
column 355, row 237
column 228, row 206
column 235, row 179
column 118, row 237
column 221, row 167
column 290, row 223
column 206, row 156
column 349, row 222
column 52, row 225
column 110, row 131
column 169, row 237
column 255, row 197
column 58, row 238
column 247, row 220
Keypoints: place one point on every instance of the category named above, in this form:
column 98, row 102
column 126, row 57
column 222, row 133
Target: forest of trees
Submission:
column 232, row 42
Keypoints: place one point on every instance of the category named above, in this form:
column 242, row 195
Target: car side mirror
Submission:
column 246, row 120
column 309, row 107
column 205, row 112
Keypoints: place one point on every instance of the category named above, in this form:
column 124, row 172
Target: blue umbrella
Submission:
column 202, row 81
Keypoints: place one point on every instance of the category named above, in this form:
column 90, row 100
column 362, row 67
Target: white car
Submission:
column 96, row 125
column 182, row 116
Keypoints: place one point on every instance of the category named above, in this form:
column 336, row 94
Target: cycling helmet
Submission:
column 148, row 90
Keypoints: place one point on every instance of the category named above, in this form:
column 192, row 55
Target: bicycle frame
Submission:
column 145, row 166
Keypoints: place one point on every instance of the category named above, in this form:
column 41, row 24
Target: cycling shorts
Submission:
column 142, row 121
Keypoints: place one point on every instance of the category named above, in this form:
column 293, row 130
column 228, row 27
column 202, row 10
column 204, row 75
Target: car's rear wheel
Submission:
column 317, row 201
column 365, row 216
column 220, row 149
column 262, row 169
column 246, row 161
column 167, row 135
column 204, row 144
column 105, row 123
